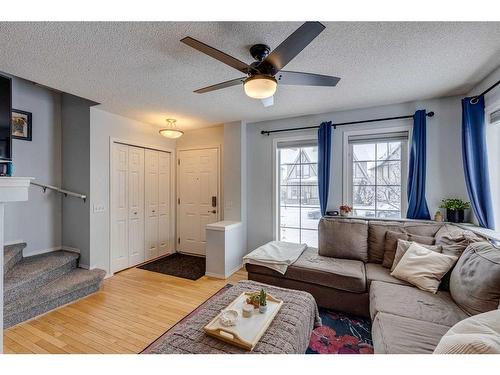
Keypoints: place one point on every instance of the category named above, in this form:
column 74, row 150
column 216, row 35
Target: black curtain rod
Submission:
column 488, row 89
column 267, row 132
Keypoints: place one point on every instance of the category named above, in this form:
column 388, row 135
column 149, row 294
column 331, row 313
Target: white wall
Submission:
column 37, row 221
column 235, row 175
column 445, row 177
column 103, row 126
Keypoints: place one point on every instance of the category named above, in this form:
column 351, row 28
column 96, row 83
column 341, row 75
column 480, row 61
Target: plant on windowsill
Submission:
column 455, row 209
column 345, row 210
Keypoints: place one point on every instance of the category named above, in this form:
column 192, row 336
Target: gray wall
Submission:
column 445, row 177
column 75, row 117
column 39, row 220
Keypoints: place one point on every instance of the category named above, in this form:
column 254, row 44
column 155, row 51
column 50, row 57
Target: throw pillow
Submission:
column 475, row 280
column 479, row 334
column 455, row 240
column 423, row 268
column 403, row 247
column 391, row 241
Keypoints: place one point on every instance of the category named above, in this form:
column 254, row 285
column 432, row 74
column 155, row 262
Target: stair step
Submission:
column 12, row 254
column 74, row 285
column 32, row 272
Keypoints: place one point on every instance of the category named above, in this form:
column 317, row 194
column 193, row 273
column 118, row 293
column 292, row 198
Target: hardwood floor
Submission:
column 132, row 309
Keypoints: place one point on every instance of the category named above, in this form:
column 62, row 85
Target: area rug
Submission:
column 339, row 334
column 179, row 265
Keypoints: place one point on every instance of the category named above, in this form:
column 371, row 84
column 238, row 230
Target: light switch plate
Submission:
column 98, row 208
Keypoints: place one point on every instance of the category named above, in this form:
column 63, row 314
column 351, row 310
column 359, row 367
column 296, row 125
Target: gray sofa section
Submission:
column 346, row 274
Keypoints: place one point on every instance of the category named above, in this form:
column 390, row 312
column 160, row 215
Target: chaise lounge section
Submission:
column 350, row 272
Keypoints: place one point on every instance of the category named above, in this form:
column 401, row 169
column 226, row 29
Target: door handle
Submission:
column 213, row 211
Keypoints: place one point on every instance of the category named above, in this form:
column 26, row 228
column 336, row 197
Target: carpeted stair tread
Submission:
column 74, row 285
column 12, row 254
column 35, row 271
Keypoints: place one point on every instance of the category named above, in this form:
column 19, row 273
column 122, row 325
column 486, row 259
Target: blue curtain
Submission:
column 476, row 160
column 417, row 206
column 324, row 154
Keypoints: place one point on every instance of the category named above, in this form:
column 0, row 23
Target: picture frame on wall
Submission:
column 21, row 125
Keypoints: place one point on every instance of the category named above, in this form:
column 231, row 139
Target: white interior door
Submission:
column 164, row 237
column 151, row 204
column 135, row 205
column 119, row 208
column 198, row 197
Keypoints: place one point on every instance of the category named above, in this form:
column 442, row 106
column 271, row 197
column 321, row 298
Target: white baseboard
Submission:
column 41, row 251
column 71, row 249
column 12, row 242
column 223, row 277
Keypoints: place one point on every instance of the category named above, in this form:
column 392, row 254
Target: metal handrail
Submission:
column 59, row 190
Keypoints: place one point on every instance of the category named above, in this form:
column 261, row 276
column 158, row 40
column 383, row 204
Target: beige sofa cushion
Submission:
column 455, row 240
column 343, row 238
column 479, row 334
column 391, row 243
column 423, row 268
column 343, row 274
column 414, row 303
column 403, row 246
column 376, row 238
column 475, row 280
column 427, row 229
column 394, row 334
column 376, row 272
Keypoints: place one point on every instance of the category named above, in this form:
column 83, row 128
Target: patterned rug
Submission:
column 341, row 334
column 179, row 265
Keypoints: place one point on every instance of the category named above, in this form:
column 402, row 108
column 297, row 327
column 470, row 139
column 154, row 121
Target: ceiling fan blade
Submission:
column 267, row 102
column 292, row 46
column 305, row 79
column 221, row 85
column 216, row 54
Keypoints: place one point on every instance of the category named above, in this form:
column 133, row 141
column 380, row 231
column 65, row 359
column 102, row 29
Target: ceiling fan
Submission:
column 265, row 73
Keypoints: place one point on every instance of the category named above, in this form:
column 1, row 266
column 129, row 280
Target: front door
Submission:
column 198, row 197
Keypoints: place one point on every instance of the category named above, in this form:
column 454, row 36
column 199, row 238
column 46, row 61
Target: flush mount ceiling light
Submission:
column 260, row 86
column 171, row 130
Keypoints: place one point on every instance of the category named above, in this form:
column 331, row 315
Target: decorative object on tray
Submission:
column 228, row 318
column 21, row 125
column 455, row 208
column 262, row 301
column 245, row 333
column 438, row 216
column 345, row 210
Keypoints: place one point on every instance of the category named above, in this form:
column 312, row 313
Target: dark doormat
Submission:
column 179, row 265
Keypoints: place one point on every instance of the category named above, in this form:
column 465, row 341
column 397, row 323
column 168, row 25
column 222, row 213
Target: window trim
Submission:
column 346, row 160
column 275, row 176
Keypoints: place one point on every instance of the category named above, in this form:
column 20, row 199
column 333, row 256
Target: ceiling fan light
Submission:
column 171, row 131
column 260, row 86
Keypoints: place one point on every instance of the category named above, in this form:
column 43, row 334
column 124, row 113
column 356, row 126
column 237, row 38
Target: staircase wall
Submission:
column 75, row 116
column 38, row 222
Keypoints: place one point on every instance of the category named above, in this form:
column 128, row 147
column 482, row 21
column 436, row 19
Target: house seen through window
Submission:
column 298, row 205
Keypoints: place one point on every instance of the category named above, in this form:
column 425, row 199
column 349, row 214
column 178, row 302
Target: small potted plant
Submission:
column 345, row 210
column 262, row 301
column 455, row 209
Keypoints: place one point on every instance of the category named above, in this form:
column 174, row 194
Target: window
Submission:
column 298, row 211
column 377, row 167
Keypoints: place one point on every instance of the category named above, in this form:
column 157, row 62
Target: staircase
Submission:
column 37, row 284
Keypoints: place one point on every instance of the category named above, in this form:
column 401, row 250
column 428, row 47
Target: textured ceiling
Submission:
column 142, row 71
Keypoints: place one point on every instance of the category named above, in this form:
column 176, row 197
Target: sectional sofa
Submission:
column 350, row 272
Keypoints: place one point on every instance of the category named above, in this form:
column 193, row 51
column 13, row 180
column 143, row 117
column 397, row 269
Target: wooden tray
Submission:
column 247, row 331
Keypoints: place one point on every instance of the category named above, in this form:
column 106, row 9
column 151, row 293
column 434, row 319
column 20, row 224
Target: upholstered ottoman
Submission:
column 289, row 333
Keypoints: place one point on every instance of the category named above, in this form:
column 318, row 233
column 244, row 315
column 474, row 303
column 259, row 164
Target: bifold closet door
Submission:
column 151, row 203
column 135, row 205
column 119, row 207
column 164, row 238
